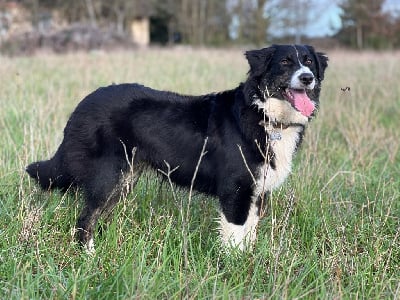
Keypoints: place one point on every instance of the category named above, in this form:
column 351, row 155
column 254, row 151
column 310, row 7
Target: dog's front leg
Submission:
column 238, row 226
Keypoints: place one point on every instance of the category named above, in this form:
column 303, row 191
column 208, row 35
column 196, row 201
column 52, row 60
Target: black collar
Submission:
column 275, row 125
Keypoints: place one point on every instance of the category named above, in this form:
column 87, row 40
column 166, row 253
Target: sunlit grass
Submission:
column 332, row 231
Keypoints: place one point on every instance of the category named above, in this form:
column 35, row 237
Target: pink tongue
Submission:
column 302, row 103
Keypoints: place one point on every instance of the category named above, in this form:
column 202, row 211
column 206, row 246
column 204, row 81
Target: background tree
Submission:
column 203, row 21
column 365, row 24
column 197, row 22
column 249, row 21
column 290, row 18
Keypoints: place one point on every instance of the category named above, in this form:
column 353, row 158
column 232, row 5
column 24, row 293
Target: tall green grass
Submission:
column 332, row 231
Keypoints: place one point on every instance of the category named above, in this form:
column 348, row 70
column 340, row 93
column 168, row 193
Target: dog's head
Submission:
column 285, row 81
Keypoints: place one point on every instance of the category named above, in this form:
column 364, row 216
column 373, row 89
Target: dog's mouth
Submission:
column 299, row 99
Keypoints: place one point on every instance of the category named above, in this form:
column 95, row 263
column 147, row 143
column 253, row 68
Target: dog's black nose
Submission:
column 306, row 78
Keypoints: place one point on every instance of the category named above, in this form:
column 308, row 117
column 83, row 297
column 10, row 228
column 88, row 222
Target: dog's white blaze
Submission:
column 295, row 82
column 297, row 54
column 240, row 236
column 281, row 111
column 268, row 178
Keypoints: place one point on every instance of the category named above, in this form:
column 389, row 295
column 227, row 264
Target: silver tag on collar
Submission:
column 275, row 136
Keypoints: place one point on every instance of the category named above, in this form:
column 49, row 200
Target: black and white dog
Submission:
column 252, row 133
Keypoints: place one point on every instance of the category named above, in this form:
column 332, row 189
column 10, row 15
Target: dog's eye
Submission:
column 308, row 61
column 284, row 61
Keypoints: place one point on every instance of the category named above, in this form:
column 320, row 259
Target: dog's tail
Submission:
column 50, row 174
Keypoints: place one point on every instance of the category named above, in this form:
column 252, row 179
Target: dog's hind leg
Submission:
column 102, row 192
column 126, row 184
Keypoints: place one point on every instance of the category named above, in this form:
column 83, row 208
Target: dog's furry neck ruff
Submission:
column 268, row 122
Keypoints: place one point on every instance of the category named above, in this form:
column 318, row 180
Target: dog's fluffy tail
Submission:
column 50, row 174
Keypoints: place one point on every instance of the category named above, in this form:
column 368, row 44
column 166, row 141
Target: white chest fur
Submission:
column 268, row 179
column 284, row 148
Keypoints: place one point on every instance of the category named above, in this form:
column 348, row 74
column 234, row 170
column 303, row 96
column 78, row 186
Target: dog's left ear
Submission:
column 259, row 60
column 321, row 61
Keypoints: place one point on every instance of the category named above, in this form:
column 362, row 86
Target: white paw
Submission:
column 89, row 247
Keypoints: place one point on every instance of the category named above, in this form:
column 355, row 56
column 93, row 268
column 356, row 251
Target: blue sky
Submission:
column 328, row 21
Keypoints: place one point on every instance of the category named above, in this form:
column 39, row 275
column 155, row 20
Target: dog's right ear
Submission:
column 259, row 60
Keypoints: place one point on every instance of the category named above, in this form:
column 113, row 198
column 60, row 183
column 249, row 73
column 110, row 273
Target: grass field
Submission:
column 331, row 232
